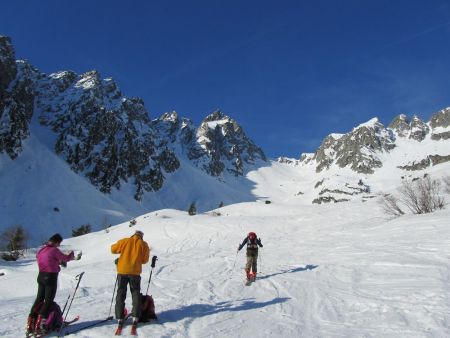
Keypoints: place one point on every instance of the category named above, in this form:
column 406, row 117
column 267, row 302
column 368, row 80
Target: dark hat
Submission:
column 56, row 238
column 139, row 233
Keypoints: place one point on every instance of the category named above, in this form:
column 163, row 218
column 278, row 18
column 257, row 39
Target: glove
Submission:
column 78, row 257
column 63, row 264
column 116, row 261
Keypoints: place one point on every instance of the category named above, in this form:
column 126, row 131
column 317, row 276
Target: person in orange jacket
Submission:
column 134, row 252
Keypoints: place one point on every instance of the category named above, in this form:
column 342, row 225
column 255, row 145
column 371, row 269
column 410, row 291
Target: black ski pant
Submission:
column 135, row 289
column 47, row 285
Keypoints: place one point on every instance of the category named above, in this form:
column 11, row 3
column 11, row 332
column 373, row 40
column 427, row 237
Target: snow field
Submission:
column 325, row 271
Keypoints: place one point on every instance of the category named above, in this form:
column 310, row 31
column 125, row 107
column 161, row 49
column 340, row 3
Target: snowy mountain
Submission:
column 349, row 165
column 75, row 151
column 84, row 129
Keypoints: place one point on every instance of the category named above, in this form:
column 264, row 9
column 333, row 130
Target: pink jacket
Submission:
column 49, row 257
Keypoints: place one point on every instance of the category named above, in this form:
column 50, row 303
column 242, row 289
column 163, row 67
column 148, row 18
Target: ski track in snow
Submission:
column 339, row 270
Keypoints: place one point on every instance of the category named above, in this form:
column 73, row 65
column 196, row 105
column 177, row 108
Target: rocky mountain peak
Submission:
column 440, row 122
column 441, row 119
column 221, row 145
column 108, row 137
column 419, row 129
column 171, row 117
column 357, row 149
column 400, row 125
column 215, row 116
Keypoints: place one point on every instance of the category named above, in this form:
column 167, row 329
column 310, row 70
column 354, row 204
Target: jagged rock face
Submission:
column 400, row 125
column 419, row 129
column 415, row 129
column 440, row 122
column 174, row 132
column 221, row 144
column 16, row 99
column 430, row 160
column 357, row 149
column 107, row 137
column 218, row 145
column 102, row 134
column 441, row 119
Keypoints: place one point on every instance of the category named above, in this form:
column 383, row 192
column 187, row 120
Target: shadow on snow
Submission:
column 202, row 310
column 299, row 269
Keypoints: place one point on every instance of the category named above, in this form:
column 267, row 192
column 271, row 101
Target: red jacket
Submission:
column 49, row 257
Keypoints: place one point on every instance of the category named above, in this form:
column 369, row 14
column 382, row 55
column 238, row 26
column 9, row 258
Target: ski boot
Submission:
column 133, row 330
column 30, row 326
column 119, row 328
column 247, row 273
column 39, row 328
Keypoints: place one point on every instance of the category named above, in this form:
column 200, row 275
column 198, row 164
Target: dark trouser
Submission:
column 252, row 259
column 135, row 289
column 47, row 285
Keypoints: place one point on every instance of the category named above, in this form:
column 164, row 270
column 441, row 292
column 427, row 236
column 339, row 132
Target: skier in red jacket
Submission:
column 252, row 255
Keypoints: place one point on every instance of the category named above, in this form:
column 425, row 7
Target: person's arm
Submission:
column 258, row 241
column 243, row 243
column 62, row 257
column 116, row 247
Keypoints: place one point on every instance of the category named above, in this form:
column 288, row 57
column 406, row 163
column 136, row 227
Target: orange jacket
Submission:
column 134, row 252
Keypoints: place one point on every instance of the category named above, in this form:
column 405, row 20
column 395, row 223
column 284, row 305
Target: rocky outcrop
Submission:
column 16, row 99
column 401, row 125
column 419, row 129
column 430, row 160
column 107, row 137
column 357, row 149
column 221, row 145
column 440, row 123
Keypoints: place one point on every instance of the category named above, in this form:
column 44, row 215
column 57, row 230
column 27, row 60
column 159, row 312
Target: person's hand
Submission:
column 78, row 257
column 63, row 264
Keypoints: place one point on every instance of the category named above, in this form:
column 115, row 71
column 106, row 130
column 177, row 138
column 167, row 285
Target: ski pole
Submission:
column 67, row 301
column 112, row 298
column 77, row 277
column 154, row 259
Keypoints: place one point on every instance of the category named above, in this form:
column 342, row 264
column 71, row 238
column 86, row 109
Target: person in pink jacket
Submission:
column 49, row 257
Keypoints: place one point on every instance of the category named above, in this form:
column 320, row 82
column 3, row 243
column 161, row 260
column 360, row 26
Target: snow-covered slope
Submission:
column 336, row 270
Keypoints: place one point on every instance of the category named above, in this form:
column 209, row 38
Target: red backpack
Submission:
column 147, row 309
column 54, row 319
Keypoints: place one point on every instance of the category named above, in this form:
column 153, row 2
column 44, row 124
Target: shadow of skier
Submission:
column 299, row 269
column 202, row 310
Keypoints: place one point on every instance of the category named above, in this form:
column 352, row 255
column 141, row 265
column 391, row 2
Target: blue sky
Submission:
column 290, row 72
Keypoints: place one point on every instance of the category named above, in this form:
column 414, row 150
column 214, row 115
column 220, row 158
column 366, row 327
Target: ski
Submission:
column 69, row 332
